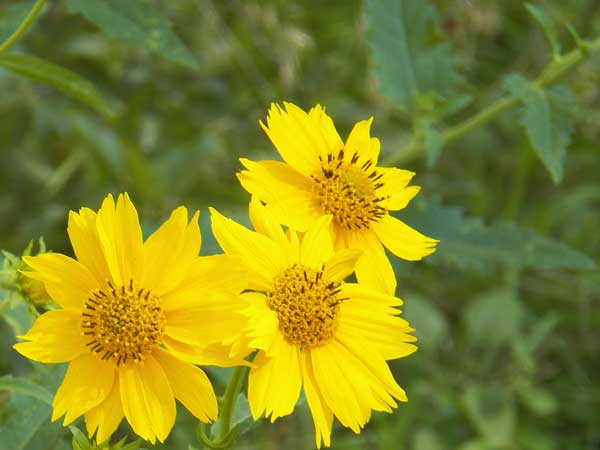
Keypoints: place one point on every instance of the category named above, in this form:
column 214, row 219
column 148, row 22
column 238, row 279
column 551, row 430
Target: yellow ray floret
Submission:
column 135, row 317
column 313, row 330
column 321, row 175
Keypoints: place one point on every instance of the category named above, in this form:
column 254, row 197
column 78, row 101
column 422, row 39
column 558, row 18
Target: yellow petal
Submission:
column 394, row 182
column 219, row 355
column 360, row 142
column 300, row 138
column 274, row 384
column 121, row 238
column 321, row 413
column 400, row 199
column 263, row 324
column 348, row 396
column 287, row 193
column 382, row 383
column 86, row 243
column 106, row 416
column 55, row 337
column 261, row 255
column 373, row 267
column 342, row 264
column 88, row 381
column 218, row 321
column 317, row 245
column 190, row 386
column 402, row 240
column 147, row 399
column 263, row 223
column 378, row 324
column 207, row 275
column 170, row 251
column 67, row 281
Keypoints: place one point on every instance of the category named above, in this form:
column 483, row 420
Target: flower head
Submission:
column 314, row 331
column 135, row 316
column 322, row 175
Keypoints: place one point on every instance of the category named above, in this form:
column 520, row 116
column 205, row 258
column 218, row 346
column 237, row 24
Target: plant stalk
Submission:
column 13, row 38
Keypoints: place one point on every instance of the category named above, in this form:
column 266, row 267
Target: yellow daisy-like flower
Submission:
column 322, row 175
column 134, row 317
column 313, row 330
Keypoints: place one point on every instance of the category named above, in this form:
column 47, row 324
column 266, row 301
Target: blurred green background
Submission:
column 509, row 351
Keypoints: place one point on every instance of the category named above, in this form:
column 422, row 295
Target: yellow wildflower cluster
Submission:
column 137, row 317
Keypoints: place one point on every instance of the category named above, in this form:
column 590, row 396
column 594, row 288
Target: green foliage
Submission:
column 410, row 66
column 548, row 27
column 66, row 81
column 25, row 387
column 467, row 243
column 138, row 23
column 548, row 116
column 12, row 16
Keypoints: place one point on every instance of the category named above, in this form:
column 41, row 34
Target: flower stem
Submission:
column 229, row 400
column 552, row 73
column 13, row 38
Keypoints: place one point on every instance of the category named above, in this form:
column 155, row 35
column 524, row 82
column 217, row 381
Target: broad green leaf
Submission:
column 547, row 26
column 430, row 324
column 64, row 80
column 548, row 116
column 482, row 316
column 491, row 410
column 25, row 420
column 538, row 400
column 138, row 23
column 467, row 243
column 407, row 63
column 434, row 145
column 12, row 16
column 25, row 387
column 80, row 440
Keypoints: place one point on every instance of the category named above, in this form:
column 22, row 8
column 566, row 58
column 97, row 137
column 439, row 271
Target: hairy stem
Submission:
column 13, row 38
column 552, row 73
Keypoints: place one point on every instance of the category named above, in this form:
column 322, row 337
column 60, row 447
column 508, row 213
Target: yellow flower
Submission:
column 313, row 330
column 322, row 175
column 134, row 317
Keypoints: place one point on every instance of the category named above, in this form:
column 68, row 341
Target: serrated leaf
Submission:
column 25, row 387
column 467, row 243
column 406, row 61
column 64, row 80
column 138, row 23
column 434, row 144
column 547, row 117
column 547, row 27
column 491, row 409
column 12, row 16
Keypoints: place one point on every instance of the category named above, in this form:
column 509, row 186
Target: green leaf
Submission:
column 548, row 116
column 25, row 387
column 67, row 82
column 430, row 324
column 469, row 244
column 80, row 440
column 434, row 145
column 427, row 439
column 491, row 410
column 138, row 23
column 408, row 62
column 12, row 16
column 539, row 401
column 547, row 26
column 482, row 315
column 25, row 420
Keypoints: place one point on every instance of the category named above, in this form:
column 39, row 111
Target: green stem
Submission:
column 552, row 73
column 229, row 400
column 13, row 38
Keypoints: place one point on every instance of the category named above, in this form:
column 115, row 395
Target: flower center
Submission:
column 123, row 322
column 306, row 305
column 348, row 191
